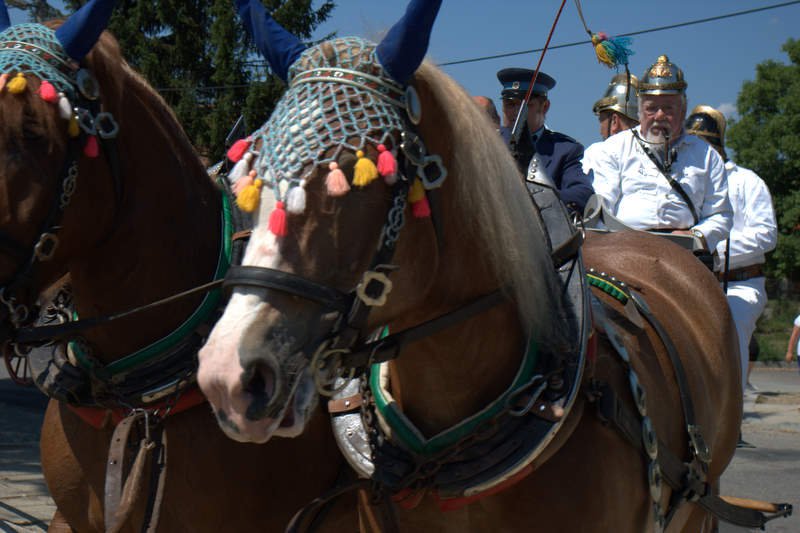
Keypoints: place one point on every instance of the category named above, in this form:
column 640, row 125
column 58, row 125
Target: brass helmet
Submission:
column 663, row 77
column 620, row 97
column 709, row 124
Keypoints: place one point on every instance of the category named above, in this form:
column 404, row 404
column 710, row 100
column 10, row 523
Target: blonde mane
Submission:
column 497, row 208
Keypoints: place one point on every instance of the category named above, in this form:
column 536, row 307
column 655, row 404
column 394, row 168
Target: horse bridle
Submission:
column 15, row 313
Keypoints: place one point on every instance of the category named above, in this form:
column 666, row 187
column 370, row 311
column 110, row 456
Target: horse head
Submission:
column 48, row 103
column 333, row 175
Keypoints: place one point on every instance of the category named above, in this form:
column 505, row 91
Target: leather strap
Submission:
column 742, row 274
column 122, row 492
column 304, row 520
column 269, row 278
column 675, row 184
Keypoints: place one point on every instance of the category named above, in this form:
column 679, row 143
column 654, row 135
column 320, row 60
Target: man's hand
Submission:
column 789, row 356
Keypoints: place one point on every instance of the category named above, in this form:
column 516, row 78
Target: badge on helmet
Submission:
column 663, row 77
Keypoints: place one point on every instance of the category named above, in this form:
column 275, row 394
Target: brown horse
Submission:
column 131, row 235
column 486, row 235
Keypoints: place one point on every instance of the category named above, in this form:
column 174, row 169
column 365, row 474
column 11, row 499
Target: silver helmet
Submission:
column 622, row 96
column 663, row 77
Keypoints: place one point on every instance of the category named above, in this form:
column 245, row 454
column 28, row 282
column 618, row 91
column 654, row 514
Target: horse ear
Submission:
column 5, row 20
column 80, row 32
column 279, row 47
column 402, row 50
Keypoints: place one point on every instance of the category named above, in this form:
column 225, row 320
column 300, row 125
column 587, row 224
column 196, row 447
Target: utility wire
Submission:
column 640, row 32
column 511, row 54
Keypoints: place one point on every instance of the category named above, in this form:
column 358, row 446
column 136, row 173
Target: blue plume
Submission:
column 279, row 47
column 80, row 32
column 402, row 50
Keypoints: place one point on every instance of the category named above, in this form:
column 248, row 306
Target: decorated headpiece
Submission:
column 622, row 96
column 5, row 20
column 708, row 123
column 663, row 77
column 343, row 96
column 53, row 57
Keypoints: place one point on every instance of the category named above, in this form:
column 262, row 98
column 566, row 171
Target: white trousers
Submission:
column 747, row 300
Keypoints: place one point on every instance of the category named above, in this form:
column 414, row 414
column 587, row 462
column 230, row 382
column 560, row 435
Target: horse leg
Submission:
column 59, row 524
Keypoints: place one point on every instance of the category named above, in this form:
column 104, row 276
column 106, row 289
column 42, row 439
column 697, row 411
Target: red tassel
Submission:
column 48, row 92
column 277, row 220
column 387, row 164
column 239, row 148
column 91, row 148
column 421, row 208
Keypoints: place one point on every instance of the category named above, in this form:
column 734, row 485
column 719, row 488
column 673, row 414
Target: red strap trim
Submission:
column 99, row 417
column 452, row 504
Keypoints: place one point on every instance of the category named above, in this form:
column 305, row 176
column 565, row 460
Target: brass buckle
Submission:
column 367, row 286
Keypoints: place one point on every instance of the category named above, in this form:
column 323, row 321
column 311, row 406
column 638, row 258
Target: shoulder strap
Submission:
column 672, row 181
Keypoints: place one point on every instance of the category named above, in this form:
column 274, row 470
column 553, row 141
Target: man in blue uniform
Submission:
column 559, row 155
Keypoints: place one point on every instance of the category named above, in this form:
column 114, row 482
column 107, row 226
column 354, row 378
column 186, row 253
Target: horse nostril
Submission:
column 259, row 383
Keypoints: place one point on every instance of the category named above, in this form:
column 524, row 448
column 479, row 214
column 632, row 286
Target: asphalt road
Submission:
column 770, row 471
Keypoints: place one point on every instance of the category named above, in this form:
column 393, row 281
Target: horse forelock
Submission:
column 496, row 206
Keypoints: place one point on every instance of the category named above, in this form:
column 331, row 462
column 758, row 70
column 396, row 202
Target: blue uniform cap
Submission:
column 515, row 82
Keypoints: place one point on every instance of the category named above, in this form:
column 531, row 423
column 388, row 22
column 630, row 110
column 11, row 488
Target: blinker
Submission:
column 87, row 84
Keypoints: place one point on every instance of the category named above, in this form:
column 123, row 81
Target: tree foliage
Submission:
column 766, row 139
column 198, row 56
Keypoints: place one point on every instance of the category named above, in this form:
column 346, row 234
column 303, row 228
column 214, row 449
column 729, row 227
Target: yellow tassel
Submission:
column 18, row 84
column 602, row 55
column 250, row 197
column 417, row 191
column 365, row 171
column 73, row 130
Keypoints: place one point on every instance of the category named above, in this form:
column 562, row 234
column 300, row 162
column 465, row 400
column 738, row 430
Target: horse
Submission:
column 469, row 295
column 131, row 223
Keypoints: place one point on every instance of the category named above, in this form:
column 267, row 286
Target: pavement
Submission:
column 770, row 471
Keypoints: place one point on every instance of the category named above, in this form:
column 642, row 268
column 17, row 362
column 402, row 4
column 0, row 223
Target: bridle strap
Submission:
column 389, row 347
column 269, row 278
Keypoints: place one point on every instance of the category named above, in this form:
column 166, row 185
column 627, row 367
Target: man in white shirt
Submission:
column 654, row 177
column 754, row 232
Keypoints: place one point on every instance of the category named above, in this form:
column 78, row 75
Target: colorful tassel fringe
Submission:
column 416, row 192
column 91, row 148
column 18, row 84
column 47, row 92
column 64, row 107
column 336, row 181
column 242, row 182
column 239, row 148
column 296, row 199
column 387, row 164
column 250, row 196
column 421, row 209
column 73, row 130
column 241, row 168
column 3, row 81
column 277, row 220
column 611, row 52
column 365, row 171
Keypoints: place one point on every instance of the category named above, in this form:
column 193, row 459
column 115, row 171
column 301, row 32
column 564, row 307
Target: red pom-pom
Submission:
column 91, row 148
column 277, row 220
column 421, row 208
column 239, row 148
column 387, row 164
column 48, row 92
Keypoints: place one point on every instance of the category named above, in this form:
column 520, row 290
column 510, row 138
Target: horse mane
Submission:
column 120, row 82
column 501, row 215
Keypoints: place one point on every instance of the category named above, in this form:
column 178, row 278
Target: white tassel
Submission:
column 241, row 168
column 64, row 107
column 296, row 199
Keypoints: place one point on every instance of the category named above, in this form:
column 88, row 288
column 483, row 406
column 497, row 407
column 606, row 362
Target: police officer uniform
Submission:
column 559, row 155
column 647, row 187
column 754, row 232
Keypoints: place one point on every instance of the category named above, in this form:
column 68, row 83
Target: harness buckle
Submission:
column 45, row 249
column 86, row 121
column 330, row 375
column 373, row 288
column 699, row 446
column 107, row 127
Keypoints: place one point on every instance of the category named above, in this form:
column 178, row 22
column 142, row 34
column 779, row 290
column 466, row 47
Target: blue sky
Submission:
column 716, row 57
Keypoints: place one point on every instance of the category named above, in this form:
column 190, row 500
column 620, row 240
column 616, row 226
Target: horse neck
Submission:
column 165, row 235
column 447, row 377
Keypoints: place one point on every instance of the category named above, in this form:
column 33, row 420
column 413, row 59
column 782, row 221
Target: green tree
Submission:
column 197, row 54
column 38, row 10
column 766, row 139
